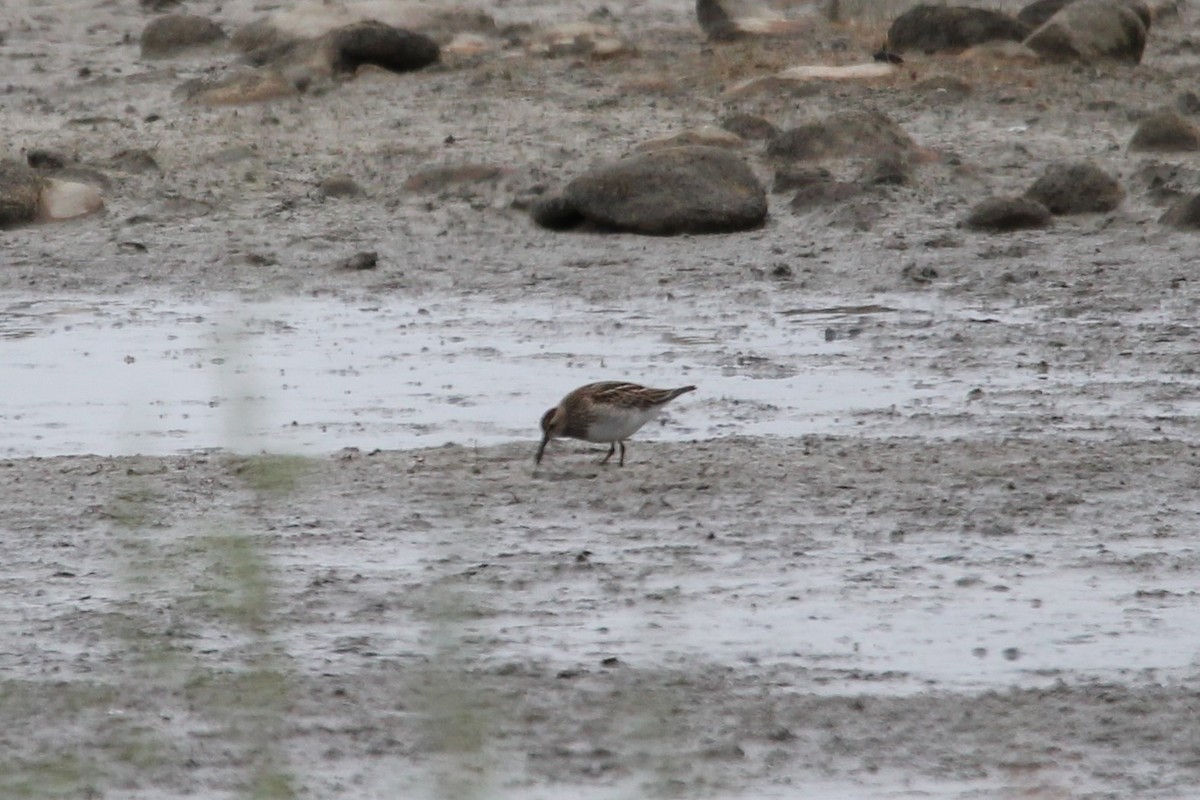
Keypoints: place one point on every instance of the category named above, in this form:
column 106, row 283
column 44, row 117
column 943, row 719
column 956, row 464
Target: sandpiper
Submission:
column 609, row 411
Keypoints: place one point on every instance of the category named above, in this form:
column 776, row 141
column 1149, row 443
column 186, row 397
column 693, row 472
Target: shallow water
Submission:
column 155, row 377
column 312, row 376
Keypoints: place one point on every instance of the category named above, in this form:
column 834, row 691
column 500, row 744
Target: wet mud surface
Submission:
column 926, row 529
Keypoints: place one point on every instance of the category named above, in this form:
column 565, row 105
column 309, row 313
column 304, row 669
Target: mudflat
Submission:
column 271, row 522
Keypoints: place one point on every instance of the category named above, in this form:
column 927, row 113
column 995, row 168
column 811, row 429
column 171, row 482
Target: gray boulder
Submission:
column 691, row 189
column 1076, row 188
column 1001, row 214
column 1093, row 31
column 1185, row 214
column 1165, row 131
column 932, row 29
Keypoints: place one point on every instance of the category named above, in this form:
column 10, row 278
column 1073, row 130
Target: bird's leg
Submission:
column 612, row 448
column 621, row 463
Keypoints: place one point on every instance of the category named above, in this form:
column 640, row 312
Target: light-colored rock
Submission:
column 707, row 136
column 66, row 200
column 1092, row 31
column 802, row 73
column 578, row 39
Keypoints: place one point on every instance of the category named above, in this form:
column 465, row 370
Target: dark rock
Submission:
column 1184, row 215
column 717, row 25
column 1165, row 131
column 1092, row 31
column 43, row 159
column 556, row 213
column 678, row 190
column 367, row 259
column 919, row 273
column 1076, row 188
column 935, row 28
column 750, row 126
column 156, row 6
column 167, row 35
column 846, row 133
column 20, row 189
column 1008, row 214
column 380, row 45
column 1038, row 12
column 339, row 186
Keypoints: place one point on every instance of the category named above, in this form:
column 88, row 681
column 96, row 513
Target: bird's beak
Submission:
column 541, row 449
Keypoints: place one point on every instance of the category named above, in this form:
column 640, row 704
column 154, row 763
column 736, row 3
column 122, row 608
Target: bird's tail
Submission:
column 671, row 395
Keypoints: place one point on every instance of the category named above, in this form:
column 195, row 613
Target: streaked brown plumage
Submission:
column 609, row 411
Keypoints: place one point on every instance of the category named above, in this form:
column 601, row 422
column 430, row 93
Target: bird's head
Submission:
column 553, row 423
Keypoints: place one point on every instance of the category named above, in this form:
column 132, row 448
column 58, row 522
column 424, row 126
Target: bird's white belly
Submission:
column 619, row 424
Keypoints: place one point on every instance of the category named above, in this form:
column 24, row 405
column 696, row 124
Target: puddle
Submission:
column 119, row 377
column 311, row 376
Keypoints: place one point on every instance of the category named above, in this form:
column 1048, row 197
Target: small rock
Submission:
column 1165, row 131
column 1076, row 188
column 920, row 274
column 339, row 186
column 1092, row 31
column 168, row 35
column 556, row 214
column 367, row 259
column 1185, row 214
column 66, row 200
column 933, row 29
column 20, row 189
column 39, row 158
column 716, row 23
column 664, row 192
column 380, row 45
column 846, row 133
column 1000, row 214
